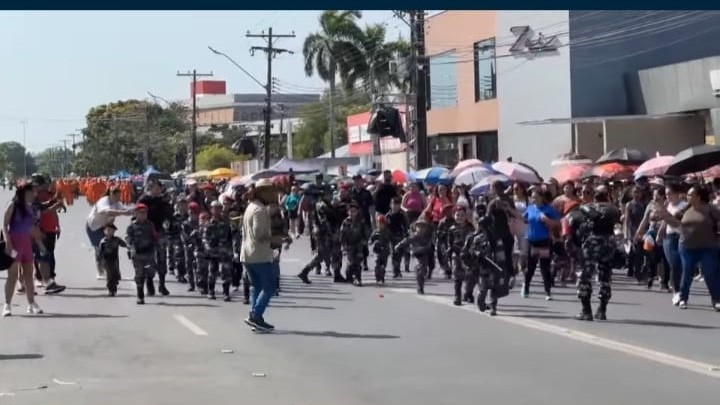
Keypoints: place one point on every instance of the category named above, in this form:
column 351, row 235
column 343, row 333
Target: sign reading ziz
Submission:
column 527, row 41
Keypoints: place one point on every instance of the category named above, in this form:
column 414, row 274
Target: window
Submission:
column 443, row 80
column 485, row 74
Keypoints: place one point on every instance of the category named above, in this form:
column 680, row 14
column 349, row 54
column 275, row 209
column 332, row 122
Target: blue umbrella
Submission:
column 122, row 174
column 432, row 176
column 483, row 186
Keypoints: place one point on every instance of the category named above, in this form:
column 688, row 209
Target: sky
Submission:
column 55, row 66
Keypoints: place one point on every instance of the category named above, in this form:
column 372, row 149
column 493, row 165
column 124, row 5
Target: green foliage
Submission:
column 13, row 158
column 57, row 162
column 216, row 156
column 130, row 135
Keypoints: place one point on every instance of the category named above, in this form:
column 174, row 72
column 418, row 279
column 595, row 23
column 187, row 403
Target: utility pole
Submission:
column 63, row 157
column 73, row 145
column 193, row 136
column 270, row 51
column 24, row 125
column 420, row 74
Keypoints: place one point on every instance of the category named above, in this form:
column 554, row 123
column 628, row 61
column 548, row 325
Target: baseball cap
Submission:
column 141, row 207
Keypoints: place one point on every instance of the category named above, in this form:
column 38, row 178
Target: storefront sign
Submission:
column 527, row 41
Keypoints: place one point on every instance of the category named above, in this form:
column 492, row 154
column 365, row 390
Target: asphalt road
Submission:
column 342, row 344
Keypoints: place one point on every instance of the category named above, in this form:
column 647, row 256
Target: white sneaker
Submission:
column 39, row 284
column 717, row 306
column 676, row 299
column 6, row 310
column 100, row 276
column 682, row 305
column 548, row 297
column 34, row 309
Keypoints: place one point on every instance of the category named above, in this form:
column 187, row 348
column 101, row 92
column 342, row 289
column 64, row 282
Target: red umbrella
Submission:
column 612, row 170
column 570, row 172
column 399, row 177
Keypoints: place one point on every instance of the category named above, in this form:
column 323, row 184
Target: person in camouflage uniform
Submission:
column 398, row 224
column 457, row 234
column 420, row 243
column 142, row 240
column 324, row 233
column 201, row 258
column 354, row 235
column 190, row 239
column 441, row 240
column 218, row 243
column 109, row 247
column 479, row 254
column 592, row 228
column 382, row 241
column 175, row 245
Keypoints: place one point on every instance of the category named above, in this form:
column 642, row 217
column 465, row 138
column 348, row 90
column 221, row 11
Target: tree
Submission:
column 15, row 161
column 373, row 65
column 216, row 156
column 131, row 135
column 57, row 161
column 312, row 135
column 327, row 52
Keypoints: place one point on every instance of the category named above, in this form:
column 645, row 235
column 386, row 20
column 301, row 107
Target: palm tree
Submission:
column 373, row 65
column 327, row 52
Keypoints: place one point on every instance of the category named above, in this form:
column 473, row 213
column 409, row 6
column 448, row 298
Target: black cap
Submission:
column 111, row 226
column 354, row 204
column 357, row 177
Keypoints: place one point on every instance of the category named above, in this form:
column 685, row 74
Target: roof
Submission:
column 584, row 120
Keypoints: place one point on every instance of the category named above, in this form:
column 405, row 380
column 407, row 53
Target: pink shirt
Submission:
column 414, row 201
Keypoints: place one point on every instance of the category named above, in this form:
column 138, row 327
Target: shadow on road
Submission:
column 178, row 304
column 73, row 316
column 333, row 334
column 21, row 356
column 87, row 296
column 642, row 322
column 532, row 311
column 297, row 297
column 611, row 302
column 272, row 305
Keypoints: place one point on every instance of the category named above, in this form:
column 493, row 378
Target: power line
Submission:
column 193, row 136
column 271, row 51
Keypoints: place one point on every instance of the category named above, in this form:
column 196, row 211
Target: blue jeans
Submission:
column 672, row 254
column 264, row 281
column 95, row 238
column 707, row 259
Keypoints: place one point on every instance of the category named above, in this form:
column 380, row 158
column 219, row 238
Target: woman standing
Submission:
column 19, row 232
column 651, row 235
column 671, row 241
column 413, row 202
column 103, row 213
column 541, row 218
column 698, row 245
column 291, row 203
column 520, row 197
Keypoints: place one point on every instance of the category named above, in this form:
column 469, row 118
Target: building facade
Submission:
column 534, row 84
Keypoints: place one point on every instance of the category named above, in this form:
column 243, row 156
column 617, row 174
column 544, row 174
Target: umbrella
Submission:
column 654, row 167
column 611, row 170
column 694, row 160
column 570, row 172
column 571, row 159
column 432, row 176
column 399, row 176
column 623, row 155
column 199, row 174
column 465, row 164
column 473, row 175
column 483, row 186
column 517, row 172
column 222, row 172
column 711, row 173
column 236, row 181
column 122, row 174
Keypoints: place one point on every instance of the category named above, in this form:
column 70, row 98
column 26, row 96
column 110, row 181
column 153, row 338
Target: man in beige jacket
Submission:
column 257, row 254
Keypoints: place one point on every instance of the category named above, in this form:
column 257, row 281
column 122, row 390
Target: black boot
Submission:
column 586, row 314
column 600, row 315
column 226, row 292
column 161, row 285
column 303, row 276
column 140, row 294
column 458, row 293
column 246, row 292
column 493, row 308
column 211, row 291
column 338, row 278
column 191, row 285
column 150, row 287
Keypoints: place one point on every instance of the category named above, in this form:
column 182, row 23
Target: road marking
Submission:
column 58, row 382
column 190, row 325
column 290, row 260
column 626, row 348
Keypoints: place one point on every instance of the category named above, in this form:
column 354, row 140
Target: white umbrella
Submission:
column 517, row 172
column 483, row 186
column 472, row 175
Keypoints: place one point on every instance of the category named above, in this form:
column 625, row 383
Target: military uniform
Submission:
column 325, row 235
column 441, row 243
column 340, row 213
column 353, row 238
column 201, row 259
column 176, row 247
column 480, row 255
column 109, row 248
column 592, row 228
column 218, row 248
column 457, row 234
column 420, row 243
column 382, row 241
column 142, row 239
column 398, row 224
column 190, row 239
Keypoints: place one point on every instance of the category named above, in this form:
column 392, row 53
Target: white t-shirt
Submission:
column 672, row 210
column 98, row 217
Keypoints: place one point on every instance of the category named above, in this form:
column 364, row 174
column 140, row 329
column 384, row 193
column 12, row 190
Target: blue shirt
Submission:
column 537, row 231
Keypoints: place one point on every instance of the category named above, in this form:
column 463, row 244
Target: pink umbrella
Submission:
column 465, row 164
column 711, row 173
column 517, row 172
column 654, row 167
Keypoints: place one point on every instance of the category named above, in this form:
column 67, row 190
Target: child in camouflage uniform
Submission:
column 354, row 235
column 109, row 248
column 381, row 239
column 142, row 240
column 420, row 243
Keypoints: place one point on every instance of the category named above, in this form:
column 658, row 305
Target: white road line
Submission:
column 629, row 349
column 290, row 260
column 190, row 325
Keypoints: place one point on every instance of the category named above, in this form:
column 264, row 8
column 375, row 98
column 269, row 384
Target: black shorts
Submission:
column 293, row 214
